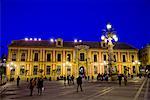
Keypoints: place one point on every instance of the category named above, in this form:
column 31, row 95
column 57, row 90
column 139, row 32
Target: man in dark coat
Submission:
column 18, row 79
column 120, row 78
column 79, row 83
column 40, row 86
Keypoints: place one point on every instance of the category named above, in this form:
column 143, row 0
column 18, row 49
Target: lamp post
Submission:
column 136, row 63
column 109, row 37
column 12, row 68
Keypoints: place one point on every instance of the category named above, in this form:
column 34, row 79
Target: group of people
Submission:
column 36, row 82
column 69, row 79
column 102, row 77
column 120, row 79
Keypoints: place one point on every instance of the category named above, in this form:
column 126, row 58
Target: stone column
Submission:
column 31, row 55
column 18, row 55
column 28, row 55
column 54, row 57
column 9, row 54
column 43, row 55
column 128, row 57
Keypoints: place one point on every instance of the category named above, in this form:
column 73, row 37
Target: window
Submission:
column 95, row 69
column 125, row 69
column 114, row 58
column 36, row 57
column 12, row 71
column 124, row 58
column 58, row 57
column 68, row 57
column 59, row 43
column 58, row 70
column 14, row 57
column 48, row 69
column 22, row 70
column 23, row 57
column 81, row 56
column 132, row 58
column 95, row 58
column 49, row 57
column 35, row 70
column 104, row 57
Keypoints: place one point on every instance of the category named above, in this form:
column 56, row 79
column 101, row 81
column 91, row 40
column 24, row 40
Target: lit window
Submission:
column 23, row 57
column 36, row 57
column 58, row 57
column 48, row 68
column 81, row 56
column 14, row 57
column 95, row 58
column 35, row 70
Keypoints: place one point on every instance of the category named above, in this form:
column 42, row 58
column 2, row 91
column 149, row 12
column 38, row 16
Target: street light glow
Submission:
column 80, row 40
column 114, row 36
column 75, row 40
column 39, row 39
column 105, row 40
column 35, row 39
column 108, row 26
column 52, row 40
column 102, row 37
column 116, row 39
column 26, row 39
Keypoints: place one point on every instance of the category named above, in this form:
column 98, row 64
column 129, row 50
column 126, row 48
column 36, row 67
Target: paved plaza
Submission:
column 137, row 89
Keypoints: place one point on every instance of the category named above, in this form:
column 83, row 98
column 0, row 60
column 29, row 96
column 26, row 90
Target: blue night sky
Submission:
column 69, row 19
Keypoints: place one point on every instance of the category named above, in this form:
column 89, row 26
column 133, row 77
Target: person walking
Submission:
column 79, row 83
column 31, row 85
column 72, row 79
column 18, row 80
column 125, row 80
column 40, row 85
column 119, row 78
column 68, row 79
column 64, row 80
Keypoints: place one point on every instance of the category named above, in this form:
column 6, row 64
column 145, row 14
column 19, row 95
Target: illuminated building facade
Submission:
column 55, row 58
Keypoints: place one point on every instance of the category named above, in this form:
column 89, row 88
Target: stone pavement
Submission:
column 92, row 90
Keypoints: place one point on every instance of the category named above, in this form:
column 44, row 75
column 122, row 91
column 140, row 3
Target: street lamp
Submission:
column 12, row 67
column 109, row 37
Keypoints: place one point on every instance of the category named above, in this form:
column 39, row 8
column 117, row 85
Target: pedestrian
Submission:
column 125, row 80
column 79, row 83
column 88, row 78
column 31, row 85
column 102, row 77
column 119, row 78
column 40, row 85
column 68, row 79
column 18, row 79
column 64, row 80
column 72, row 79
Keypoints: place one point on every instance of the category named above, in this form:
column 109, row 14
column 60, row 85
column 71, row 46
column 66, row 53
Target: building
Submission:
column 145, row 56
column 33, row 58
